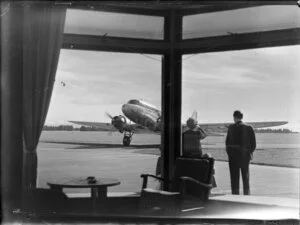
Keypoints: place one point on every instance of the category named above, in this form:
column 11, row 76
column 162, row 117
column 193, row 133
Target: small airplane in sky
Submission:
column 147, row 119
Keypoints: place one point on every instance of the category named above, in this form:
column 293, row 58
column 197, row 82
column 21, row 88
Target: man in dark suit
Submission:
column 240, row 145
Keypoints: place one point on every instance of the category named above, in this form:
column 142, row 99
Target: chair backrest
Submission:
column 201, row 169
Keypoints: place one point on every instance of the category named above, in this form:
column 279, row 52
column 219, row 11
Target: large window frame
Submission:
column 172, row 48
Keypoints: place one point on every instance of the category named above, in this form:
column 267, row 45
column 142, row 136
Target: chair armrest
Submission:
column 184, row 179
column 145, row 179
column 153, row 176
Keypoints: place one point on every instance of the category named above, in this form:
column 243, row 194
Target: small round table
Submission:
column 98, row 189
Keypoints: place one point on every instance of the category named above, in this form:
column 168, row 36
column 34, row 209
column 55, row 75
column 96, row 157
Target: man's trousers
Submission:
column 235, row 168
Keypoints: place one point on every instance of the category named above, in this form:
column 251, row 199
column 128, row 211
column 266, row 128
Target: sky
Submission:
column 263, row 83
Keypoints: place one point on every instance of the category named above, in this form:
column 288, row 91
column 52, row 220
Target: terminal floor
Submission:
column 61, row 161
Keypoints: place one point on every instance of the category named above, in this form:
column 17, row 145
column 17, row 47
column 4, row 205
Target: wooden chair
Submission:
column 193, row 177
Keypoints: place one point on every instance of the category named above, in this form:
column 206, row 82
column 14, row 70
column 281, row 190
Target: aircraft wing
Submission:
column 210, row 128
column 101, row 126
column 109, row 127
column 267, row 124
column 222, row 127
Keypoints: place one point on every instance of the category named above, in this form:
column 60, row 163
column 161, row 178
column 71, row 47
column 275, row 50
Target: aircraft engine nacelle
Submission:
column 119, row 122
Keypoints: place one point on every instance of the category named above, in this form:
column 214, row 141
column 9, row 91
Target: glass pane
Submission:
column 114, row 24
column 265, row 85
column 246, row 20
column 116, row 89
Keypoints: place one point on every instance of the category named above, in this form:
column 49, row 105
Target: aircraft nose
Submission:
column 125, row 109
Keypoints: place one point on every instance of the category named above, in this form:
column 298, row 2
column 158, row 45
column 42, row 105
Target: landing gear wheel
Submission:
column 126, row 140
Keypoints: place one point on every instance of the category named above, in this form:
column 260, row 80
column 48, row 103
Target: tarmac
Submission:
column 270, row 185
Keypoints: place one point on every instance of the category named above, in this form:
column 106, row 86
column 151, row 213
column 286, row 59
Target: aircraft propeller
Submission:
column 107, row 114
column 117, row 121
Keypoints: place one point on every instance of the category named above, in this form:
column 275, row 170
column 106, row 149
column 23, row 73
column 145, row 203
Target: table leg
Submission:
column 102, row 192
column 93, row 193
column 99, row 192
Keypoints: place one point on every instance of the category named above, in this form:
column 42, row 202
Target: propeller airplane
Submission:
column 147, row 119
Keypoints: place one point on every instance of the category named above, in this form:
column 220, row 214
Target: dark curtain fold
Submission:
column 43, row 27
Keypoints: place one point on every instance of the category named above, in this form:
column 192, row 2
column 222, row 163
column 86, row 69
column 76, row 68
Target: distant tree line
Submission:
column 60, row 127
column 85, row 128
column 70, row 128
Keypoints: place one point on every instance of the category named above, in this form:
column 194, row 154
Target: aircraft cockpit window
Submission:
column 134, row 102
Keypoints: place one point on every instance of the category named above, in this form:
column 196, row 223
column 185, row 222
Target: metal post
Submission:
column 171, row 97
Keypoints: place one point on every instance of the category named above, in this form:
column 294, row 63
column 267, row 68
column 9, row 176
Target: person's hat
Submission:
column 191, row 123
column 238, row 114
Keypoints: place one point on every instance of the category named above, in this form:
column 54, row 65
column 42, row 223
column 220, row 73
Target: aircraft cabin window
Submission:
column 148, row 104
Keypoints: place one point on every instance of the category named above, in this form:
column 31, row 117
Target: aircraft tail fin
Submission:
column 194, row 115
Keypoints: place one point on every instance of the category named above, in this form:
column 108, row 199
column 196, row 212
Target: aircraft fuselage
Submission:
column 143, row 113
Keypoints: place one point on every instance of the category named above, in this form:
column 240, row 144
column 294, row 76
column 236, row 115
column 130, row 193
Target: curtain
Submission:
column 43, row 26
column 11, row 107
